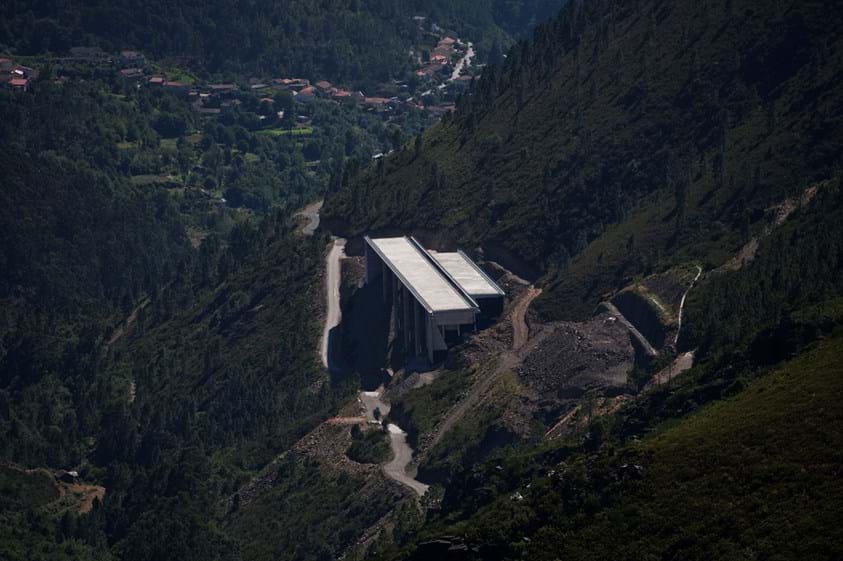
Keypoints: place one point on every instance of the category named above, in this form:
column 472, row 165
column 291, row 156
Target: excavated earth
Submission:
column 574, row 359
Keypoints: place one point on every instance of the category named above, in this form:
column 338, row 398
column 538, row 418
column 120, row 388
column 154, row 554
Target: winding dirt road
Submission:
column 311, row 214
column 508, row 361
column 396, row 468
column 402, row 453
column 520, row 329
column 333, row 313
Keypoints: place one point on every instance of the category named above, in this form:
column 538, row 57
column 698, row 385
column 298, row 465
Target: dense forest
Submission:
column 356, row 41
column 168, row 418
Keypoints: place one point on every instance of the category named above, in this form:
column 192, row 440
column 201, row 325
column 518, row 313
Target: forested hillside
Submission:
column 157, row 342
column 161, row 394
column 629, row 140
column 622, row 139
column 354, row 41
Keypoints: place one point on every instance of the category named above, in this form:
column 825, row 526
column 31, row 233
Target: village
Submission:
column 441, row 69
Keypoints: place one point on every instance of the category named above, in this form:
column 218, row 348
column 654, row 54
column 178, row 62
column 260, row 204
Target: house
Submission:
column 178, row 88
column 428, row 72
column 291, row 84
column 157, row 81
column 324, row 85
column 306, row 95
column 378, row 104
column 219, row 88
column 131, row 59
column 131, row 74
column 21, row 84
column 341, row 94
column 25, row 71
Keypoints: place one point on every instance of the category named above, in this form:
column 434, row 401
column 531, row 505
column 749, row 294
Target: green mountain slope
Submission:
column 752, row 477
column 620, row 140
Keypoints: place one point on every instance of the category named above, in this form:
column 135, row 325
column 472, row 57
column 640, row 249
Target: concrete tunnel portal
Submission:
column 435, row 298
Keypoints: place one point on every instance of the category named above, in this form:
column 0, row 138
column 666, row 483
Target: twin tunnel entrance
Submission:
column 434, row 299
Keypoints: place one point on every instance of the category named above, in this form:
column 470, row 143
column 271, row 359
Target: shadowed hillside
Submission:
column 624, row 138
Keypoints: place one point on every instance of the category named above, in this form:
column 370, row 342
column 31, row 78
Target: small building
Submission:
column 157, row 81
column 21, row 71
column 340, row 94
column 291, row 84
column 21, row 84
column 131, row 74
column 222, row 88
column 306, row 95
column 178, row 88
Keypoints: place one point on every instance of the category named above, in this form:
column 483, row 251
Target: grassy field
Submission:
column 305, row 131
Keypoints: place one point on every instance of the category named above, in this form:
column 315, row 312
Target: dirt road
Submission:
column 311, row 214
column 508, row 361
column 403, row 455
column 680, row 364
column 520, row 329
column 396, row 469
column 333, row 313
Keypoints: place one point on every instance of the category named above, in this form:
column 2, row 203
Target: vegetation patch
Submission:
column 418, row 411
column 304, row 131
column 369, row 446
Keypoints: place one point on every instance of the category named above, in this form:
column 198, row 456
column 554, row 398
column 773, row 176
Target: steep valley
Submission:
column 656, row 186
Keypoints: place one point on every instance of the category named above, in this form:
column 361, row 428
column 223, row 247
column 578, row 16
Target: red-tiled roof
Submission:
column 18, row 82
